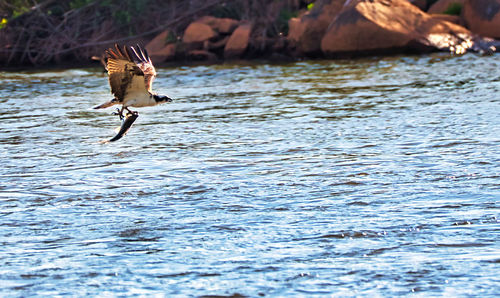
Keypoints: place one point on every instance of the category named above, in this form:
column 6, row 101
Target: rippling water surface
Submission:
column 345, row 178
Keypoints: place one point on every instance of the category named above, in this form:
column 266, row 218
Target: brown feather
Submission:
column 126, row 53
column 124, row 64
column 118, row 49
column 112, row 54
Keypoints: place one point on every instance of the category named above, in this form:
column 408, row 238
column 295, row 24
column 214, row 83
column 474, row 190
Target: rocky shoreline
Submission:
column 339, row 28
column 336, row 29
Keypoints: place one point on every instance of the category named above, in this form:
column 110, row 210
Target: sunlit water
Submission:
column 344, row 178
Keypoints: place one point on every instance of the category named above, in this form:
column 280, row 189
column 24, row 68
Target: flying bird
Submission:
column 131, row 74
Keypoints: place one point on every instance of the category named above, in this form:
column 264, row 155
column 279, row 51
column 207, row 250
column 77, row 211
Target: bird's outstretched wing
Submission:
column 142, row 59
column 130, row 70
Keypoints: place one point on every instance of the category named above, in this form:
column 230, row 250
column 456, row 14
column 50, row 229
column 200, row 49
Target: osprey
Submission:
column 131, row 75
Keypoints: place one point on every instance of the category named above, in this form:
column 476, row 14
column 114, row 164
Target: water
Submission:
column 375, row 177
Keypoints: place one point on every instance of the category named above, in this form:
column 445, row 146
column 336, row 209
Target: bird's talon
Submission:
column 119, row 113
column 130, row 112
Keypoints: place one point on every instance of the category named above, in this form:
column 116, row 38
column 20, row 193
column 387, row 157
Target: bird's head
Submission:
column 162, row 98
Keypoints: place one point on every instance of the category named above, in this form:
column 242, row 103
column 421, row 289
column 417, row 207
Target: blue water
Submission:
column 372, row 177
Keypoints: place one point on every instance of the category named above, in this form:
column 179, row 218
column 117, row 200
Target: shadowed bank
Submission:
column 72, row 32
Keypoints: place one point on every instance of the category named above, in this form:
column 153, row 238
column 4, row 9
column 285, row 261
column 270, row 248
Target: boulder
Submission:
column 198, row 33
column 482, row 17
column 448, row 18
column 305, row 33
column 218, row 44
column 201, row 55
column 164, row 54
column 221, row 25
column 158, row 43
column 238, row 42
column 445, row 6
column 367, row 26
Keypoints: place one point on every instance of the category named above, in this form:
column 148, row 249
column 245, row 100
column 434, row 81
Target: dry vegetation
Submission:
column 42, row 32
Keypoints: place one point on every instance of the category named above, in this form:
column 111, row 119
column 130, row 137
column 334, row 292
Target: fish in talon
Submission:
column 126, row 124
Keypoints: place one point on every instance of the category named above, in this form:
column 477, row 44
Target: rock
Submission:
column 202, row 55
column 218, row 44
column 448, row 18
column 238, row 42
column 164, row 54
column 198, row 33
column 295, row 30
column 305, row 33
column 221, row 25
column 391, row 25
column 486, row 45
column 482, row 17
column 443, row 6
column 158, row 43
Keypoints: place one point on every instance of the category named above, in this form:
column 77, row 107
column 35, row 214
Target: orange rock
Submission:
column 382, row 25
column 202, row 55
column 218, row 44
column 238, row 42
column 295, row 30
column 448, row 18
column 164, row 54
column 482, row 17
column 221, row 25
column 305, row 33
column 441, row 6
column 158, row 43
column 198, row 32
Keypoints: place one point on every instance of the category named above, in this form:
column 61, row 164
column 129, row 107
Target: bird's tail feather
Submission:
column 106, row 104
